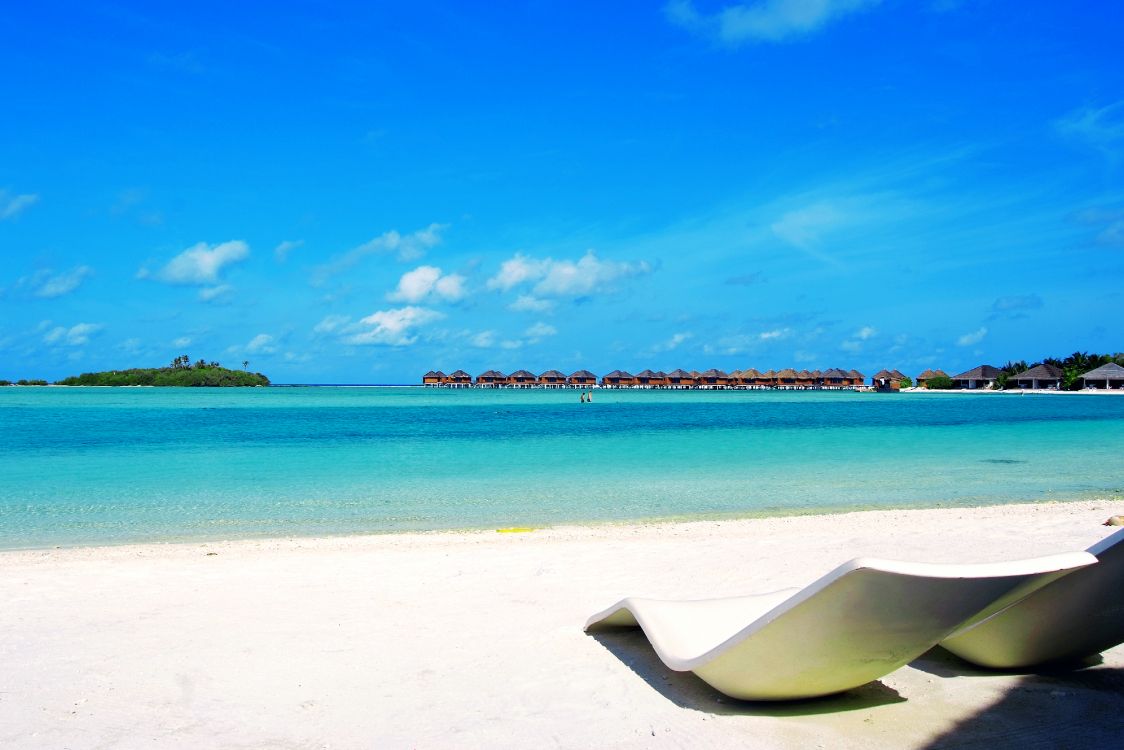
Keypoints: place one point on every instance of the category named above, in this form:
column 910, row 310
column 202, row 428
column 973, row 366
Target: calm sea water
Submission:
column 103, row 466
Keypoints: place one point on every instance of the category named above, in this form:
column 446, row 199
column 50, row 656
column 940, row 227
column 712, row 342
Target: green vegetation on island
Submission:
column 180, row 373
column 939, row 383
column 1072, row 367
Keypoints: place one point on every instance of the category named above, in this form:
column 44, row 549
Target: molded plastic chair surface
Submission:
column 1073, row 617
column 861, row 621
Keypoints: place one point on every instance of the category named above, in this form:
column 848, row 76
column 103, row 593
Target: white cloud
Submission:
column 130, row 346
column 763, row 20
column 12, row 207
column 281, row 252
column 540, row 330
column 391, row 327
column 484, row 339
column 262, row 343
column 427, row 281
column 851, row 346
column 865, row 333
column 76, row 335
column 213, row 293
column 804, row 227
column 47, row 285
column 1101, row 127
column 406, row 247
column 673, row 342
column 200, row 264
column 775, row 335
column 332, row 323
column 528, row 303
column 975, row 337
column 564, row 278
column 182, row 341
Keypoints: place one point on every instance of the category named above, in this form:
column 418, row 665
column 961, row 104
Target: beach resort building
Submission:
column 582, row 379
column 552, row 379
column 1042, row 376
column 1110, row 376
column 434, row 377
column 983, row 376
column 491, row 379
column 925, row 377
column 887, row 380
column 618, row 379
column 459, row 379
column 680, row 379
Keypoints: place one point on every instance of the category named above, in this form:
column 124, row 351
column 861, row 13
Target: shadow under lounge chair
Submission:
column 863, row 620
column 1071, row 618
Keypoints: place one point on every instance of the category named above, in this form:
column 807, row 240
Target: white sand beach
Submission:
column 451, row 640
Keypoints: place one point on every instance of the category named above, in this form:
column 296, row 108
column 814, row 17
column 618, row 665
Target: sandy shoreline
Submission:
column 474, row 639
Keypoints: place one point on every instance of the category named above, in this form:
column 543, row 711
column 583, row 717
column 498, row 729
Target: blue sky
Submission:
column 340, row 193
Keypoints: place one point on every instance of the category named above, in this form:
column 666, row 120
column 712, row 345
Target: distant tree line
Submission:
column 23, row 382
column 181, row 372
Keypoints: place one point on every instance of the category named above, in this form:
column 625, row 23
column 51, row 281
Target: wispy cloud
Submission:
column 405, row 247
column 674, row 342
column 11, row 207
column 75, row 335
column 529, row 303
column 394, row 327
column 1014, row 306
column 973, row 338
column 427, row 282
column 762, row 20
column 200, row 264
column 775, row 334
column 281, row 252
column 564, row 278
column 866, row 332
column 48, row 284
column 1100, row 127
column 215, row 293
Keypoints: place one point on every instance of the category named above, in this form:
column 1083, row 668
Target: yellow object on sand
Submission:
column 515, row 530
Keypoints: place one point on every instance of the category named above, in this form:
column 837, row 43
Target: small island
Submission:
column 180, row 373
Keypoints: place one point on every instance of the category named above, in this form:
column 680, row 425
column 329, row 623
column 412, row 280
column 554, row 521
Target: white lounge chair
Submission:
column 861, row 621
column 1071, row 618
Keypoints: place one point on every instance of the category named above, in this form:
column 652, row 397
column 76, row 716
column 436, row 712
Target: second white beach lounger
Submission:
column 863, row 620
column 1071, row 618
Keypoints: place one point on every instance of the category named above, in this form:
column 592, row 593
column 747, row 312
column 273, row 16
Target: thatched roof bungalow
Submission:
column 522, row 378
column 645, row 377
column 618, row 379
column 552, row 379
column 1042, row 376
column 835, row 378
column 582, row 378
column 786, row 378
column 680, row 379
column 491, row 378
column 714, row 379
column 1108, row 377
column 855, row 377
column 460, row 377
column 805, row 379
column 928, row 375
column 434, row 377
column 983, row 376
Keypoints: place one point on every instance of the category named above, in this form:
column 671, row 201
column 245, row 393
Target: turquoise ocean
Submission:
column 106, row 466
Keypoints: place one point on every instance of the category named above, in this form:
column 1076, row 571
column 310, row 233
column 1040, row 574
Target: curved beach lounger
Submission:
column 1072, row 618
column 861, row 621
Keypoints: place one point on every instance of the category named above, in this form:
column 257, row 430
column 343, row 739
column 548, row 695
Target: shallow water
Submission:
column 105, row 466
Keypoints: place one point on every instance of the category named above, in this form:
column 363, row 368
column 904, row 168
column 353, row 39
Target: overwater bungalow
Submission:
column 1105, row 377
column 983, row 376
column 855, row 378
column 1047, row 377
column 491, row 379
column 753, row 378
column 804, row 379
column 786, row 378
column 552, row 379
column 924, row 378
column 618, row 379
column 459, row 379
column 522, row 379
column 434, row 377
column 884, row 380
column 713, row 379
column 582, row 379
column 817, row 377
column 680, row 379
column 769, row 378
column 835, row 378
column 644, row 379
column 660, row 380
